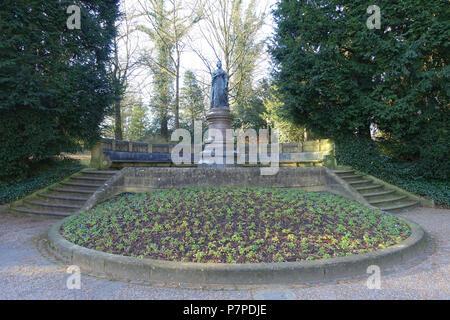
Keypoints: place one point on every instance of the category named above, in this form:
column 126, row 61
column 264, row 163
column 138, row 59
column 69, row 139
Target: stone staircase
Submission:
column 377, row 195
column 67, row 197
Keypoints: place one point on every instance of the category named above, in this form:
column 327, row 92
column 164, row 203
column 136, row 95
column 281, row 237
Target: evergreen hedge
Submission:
column 54, row 83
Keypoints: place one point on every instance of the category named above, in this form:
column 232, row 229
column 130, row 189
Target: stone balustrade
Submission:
column 116, row 153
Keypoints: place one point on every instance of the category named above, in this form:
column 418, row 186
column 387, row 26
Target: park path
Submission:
column 26, row 274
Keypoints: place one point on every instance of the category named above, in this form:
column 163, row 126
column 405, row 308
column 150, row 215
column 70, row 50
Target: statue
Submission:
column 219, row 88
column 216, row 153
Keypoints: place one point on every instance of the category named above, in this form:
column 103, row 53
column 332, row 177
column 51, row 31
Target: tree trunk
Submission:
column 177, row 96
column 118, row 134
column 164, row 129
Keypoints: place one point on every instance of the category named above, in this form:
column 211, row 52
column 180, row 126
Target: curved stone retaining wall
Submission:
column 147, row 270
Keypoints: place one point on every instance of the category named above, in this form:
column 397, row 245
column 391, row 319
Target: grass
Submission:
column 233, row 225
column 43, row 174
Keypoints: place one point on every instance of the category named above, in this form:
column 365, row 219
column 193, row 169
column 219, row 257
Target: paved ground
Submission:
column 25, row 274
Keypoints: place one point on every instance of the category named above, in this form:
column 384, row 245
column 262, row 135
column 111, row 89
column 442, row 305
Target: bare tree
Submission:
column 168, row 26
column 123, row 64
column 231, row 32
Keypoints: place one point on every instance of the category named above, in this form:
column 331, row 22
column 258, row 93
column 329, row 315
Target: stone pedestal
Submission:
column 219, row 119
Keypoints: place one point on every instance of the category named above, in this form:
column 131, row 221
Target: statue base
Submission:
column 215, row 153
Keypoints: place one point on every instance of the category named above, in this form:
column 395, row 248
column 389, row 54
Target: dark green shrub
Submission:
column 54, row 84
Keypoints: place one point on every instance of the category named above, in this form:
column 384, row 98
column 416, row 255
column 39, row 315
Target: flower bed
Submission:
column 233, row 225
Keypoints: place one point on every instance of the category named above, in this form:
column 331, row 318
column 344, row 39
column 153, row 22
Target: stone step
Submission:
column 370, row 187
column 100, row 172
column 52, row 206
column 371, row 194
column 75, row 199
column 95, row 175
column 343, row 171
column 90, row 178
column 407, row 205
column 359, row 182
column 73, row 191
column 354, row 176
column 52, row 197
column 388, row 200
column 27, row 210
column 76, row 185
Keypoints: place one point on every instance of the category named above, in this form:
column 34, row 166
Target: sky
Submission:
column 141, row 79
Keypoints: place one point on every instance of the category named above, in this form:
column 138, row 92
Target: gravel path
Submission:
column 25, row 274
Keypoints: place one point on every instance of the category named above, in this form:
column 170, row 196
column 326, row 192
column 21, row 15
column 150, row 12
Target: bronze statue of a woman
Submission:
column 219, row 88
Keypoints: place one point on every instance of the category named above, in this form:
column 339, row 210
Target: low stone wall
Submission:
column 134, row 179
column 119, row 154
column 144, row 147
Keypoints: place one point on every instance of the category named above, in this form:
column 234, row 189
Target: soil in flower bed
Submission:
column 233, row 225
